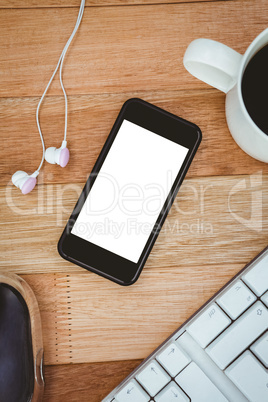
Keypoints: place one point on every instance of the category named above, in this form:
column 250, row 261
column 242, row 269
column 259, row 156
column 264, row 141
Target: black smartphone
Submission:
column 129, row 192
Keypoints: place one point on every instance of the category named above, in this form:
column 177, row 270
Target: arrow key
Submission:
column 153, row 378
column 171, row 393
column 173, row 359
column 132, row 392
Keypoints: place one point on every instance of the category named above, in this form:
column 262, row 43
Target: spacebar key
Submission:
column 238, row 336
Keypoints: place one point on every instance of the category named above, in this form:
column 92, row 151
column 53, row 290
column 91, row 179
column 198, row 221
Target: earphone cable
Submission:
column 60, row 64
column 80, row 15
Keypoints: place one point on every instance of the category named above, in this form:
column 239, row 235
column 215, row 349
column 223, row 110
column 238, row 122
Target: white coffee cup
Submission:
column 223, row 68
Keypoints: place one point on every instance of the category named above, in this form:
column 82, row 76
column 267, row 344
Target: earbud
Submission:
column 58, row 155
column 24, row 181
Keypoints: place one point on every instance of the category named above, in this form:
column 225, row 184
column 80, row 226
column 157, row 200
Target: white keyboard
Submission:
column 220, row 354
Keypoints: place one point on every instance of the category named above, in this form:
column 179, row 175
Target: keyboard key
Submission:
column 204, row 362
column 173, row 359
column 260, row 349
column 265, row 298
column 257, row 277
column 250, row 377
column 208, row 325
column 198, row 386
column 153, row 378
column 171, row 393
column 236, row 299
column 235, row 339
column 132, row 392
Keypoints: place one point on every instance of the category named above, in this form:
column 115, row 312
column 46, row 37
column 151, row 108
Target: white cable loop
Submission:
column 60, row 64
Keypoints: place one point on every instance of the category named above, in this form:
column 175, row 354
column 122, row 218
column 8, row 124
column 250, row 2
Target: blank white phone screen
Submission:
column 130, row 190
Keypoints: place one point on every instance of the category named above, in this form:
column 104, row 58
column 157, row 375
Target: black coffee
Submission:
column 255, row 89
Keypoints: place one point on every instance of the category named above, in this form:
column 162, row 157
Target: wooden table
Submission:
column 96, row 332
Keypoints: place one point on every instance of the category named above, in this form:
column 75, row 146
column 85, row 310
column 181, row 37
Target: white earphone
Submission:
column 60, row 156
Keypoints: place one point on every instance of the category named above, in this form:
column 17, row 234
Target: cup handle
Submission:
column 212, row 62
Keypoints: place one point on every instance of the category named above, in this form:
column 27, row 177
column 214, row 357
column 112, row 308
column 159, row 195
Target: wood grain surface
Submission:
column 90, row 121
column 85, row 382
column 96, row 332
column 76, row 3
column 135, row 48
column 87, row 320
column 200, row 221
